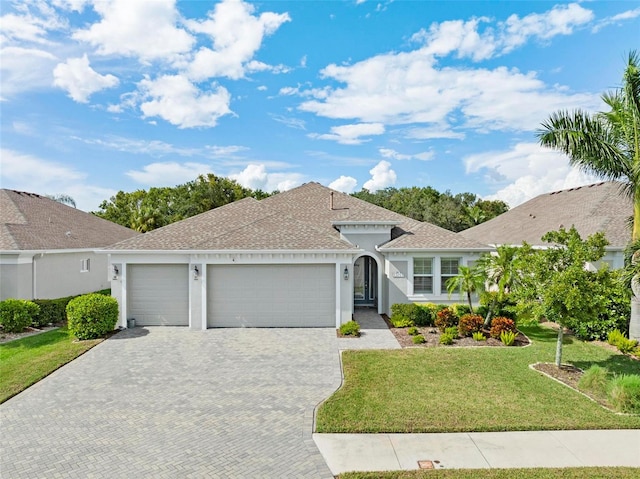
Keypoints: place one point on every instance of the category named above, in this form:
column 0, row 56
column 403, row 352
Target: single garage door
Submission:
column 158, row 294
column 271, row 295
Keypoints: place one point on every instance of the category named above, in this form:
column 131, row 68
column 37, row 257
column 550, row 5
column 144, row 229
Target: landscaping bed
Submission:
column 432, row 339
column 534, row 473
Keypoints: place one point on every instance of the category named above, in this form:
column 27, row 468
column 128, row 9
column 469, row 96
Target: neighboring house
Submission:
column 47, row 249
column 302, row 258
column 592, row 208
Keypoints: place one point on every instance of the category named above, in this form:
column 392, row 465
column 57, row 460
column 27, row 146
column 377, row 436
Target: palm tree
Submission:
column 606, row 143
column 499, row 271
column 467, row 281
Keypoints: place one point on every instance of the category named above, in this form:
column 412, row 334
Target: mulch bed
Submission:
column 432, row 337
column 7, row 337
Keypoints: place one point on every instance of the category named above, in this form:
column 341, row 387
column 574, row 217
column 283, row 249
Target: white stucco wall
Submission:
column 51, row 274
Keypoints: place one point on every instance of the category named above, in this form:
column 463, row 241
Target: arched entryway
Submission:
column 365, row 281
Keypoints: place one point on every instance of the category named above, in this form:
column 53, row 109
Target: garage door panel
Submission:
column 271, row 295
column 158, row 294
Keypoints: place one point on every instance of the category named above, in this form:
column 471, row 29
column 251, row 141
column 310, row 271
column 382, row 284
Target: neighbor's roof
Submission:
column 299, row 219
column 32, row 222
column 592, row 208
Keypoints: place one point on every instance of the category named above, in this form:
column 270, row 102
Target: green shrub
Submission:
column 446, row 339
column 92, row 315
column 624, row 393
column 424, row 314
column 350, row 328
column 614, row 337
column 418, row 339
column 412, row 331
column 500, row 324
column 505, row 307
column 460, row 309
column 507, row 338
column 618, row 339
column 52, row 311
column 17, row 314
column 401, row 315
column 445, row 318
column 470, row 323
column 479, row 336
column 453, row 331
column 594, row 379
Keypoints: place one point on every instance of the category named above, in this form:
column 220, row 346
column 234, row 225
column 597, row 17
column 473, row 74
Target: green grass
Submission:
column 469, row 389
column 557, row 473
column 26, row 361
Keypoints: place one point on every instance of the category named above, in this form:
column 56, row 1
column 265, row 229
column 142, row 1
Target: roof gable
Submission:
column 591, row 208
column 32, row 222
column 428, row 236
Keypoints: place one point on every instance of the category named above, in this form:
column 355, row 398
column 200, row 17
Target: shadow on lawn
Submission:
column 616, row 364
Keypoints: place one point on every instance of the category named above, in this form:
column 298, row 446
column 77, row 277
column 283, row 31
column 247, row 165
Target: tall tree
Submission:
column 499, row 270
column 556, row 285
column 605, row 143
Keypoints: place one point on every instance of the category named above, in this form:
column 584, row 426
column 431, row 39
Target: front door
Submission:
column 365, row 281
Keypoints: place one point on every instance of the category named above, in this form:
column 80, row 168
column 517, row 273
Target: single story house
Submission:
column 47, row 249
column 592, row 208
column 302, row 258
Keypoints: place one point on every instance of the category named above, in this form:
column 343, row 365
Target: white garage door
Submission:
column 158, row 294
column 271, row 295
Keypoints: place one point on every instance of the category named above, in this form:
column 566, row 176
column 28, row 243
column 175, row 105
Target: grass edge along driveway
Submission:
column 26, row 361
column 556, row 473
column 448, row 389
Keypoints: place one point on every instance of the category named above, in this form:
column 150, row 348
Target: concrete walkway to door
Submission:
column 374, row 332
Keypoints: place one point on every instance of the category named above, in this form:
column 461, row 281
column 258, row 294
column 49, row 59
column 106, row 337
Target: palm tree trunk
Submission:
column 636, row 218
column 469, row 299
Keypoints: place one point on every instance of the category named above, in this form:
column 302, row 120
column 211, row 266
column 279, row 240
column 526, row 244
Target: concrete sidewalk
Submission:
column 475, row 450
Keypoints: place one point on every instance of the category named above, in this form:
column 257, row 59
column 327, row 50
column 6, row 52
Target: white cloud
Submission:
column 168, row 173
column 143, row 29
column 382, row 176
column 351, row 134
column 525, row 171
column 27, row 172
column 295, row 123
column 256, row 177
column 616, row 19
column 24, row 69
column 468, row 39
column 80, row 80
column 30, row 23
column 178, row 101
column 409, row 88
column 394, row 155
column 346, row 184
column 237, row 35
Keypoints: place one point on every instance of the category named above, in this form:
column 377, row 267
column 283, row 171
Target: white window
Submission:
column 423, row 275
column 85, row 265
column 448, row 269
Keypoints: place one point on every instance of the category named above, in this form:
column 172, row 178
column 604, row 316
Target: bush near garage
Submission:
column 54, row 311
column 92, row 316
column 17, row 314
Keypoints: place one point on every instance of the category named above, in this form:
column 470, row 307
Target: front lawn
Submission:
column 557, row 473
column 26, row 361
column 469, row 389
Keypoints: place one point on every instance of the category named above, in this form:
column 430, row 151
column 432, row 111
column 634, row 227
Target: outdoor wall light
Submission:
column 115, row 272
column 196, row 272
column 345, row 273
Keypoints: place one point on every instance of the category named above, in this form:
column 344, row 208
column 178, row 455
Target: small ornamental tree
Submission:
column 92, row 316
column 466, row 282
column 17, row 314
column 556, row 283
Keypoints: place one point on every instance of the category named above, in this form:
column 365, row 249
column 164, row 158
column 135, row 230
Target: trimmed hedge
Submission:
column 92, row 316
column 17, row 314
column 54, row 311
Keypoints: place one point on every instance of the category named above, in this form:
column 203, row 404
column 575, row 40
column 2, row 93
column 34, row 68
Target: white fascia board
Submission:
column 50, row 251
column 232, row 251
column 435, row 250
column 364, row 223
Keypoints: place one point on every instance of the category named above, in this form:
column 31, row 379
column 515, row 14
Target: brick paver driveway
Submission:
column 169, row 402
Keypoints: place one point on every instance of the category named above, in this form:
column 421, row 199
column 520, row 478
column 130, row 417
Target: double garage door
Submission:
column 271, row 295
column 237, row 295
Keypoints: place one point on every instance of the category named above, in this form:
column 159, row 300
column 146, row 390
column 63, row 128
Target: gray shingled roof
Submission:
column 592, row 208
column 32, row 222
column 428, row 236
column 298, row 219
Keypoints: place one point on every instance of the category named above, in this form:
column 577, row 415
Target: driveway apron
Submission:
column 169, row 402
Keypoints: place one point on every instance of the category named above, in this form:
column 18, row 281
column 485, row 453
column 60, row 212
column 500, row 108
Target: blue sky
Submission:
column 101, row 96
